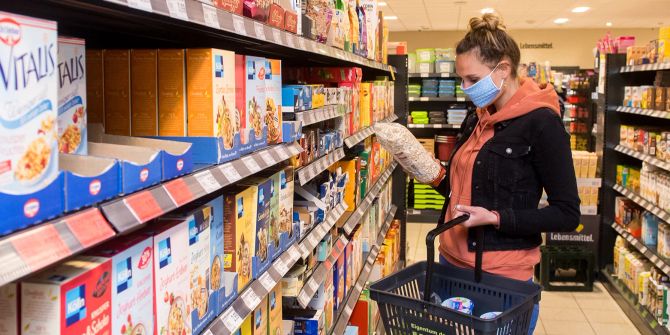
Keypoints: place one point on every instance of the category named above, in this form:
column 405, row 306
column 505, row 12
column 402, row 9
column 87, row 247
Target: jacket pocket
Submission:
column 508, row 161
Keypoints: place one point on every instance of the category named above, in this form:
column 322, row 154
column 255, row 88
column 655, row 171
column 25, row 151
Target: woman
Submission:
column 510, row 149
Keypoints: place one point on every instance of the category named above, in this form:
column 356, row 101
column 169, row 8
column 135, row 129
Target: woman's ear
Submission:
column 505, row 70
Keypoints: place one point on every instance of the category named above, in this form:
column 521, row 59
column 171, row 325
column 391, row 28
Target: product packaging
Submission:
column 117, row 91
column 275, row 311
column 172, row 92
column 94, row 86
column 9, row 300
column 239, row 231
column 264, row 246
column 259, row 321
column 144, row 92
column 255, row 132
column 73, row 297
column 273, row 101
column 72, row 101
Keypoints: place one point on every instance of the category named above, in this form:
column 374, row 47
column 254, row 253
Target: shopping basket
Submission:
column 404, row 297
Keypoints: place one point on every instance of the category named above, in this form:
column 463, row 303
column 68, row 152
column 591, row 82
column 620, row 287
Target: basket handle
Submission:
column 430, row 250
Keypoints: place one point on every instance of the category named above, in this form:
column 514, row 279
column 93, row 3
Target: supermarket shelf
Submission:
column 314, row 168
column 65, row 236
column 33, row 249
column 319, row 275
column 190, row 20
column 650, row 254
column 640, row 111
column 135, row 209
column 434, row 126
column 355, row 218
column 663, row 215
column 433, row 75
column 365, row 133
column 342, row 319
column 439, row 99
column 645, row 67
column 423, row 215
column 317, row 115
column 317, row 234
column 643, row 157
column 231, row 319
column 643, row 320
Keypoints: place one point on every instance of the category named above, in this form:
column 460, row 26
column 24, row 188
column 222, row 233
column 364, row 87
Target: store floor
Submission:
column 561, row 313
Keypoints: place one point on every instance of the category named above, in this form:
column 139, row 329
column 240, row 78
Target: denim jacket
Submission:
column 526, row 155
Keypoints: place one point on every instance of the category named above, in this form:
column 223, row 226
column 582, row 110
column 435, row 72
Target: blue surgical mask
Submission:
column 483, row 92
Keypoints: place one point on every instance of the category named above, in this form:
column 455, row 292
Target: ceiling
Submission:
column 414, row 15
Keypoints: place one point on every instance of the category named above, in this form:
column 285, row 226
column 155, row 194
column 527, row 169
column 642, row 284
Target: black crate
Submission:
column 566, row 268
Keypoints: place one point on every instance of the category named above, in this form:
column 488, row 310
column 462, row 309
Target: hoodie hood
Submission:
column 527, row 98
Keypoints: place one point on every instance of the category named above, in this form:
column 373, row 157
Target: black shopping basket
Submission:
column 404, row 297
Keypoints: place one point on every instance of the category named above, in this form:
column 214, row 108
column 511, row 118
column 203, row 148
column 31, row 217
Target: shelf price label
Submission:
column 211, row 16
column 177, row 9
column 207, row 181
column 290, row 40
column 281, row 267
column 251, row 299
column 259, row 29
column 251, row 164
column 267, row 281
column 267, row 158
column 301, row 44
column 460, row 99
column 276, row 35
column 231, row 319
column 238, row 24
column 140, row 4
column 230, row 172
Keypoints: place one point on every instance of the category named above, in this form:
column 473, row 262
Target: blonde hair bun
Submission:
column 490, row 22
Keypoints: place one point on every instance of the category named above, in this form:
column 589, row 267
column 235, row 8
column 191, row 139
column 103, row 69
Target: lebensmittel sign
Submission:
column 587, row 233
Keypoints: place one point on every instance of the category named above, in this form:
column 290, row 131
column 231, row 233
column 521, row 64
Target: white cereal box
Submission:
column 132, row 284
column 202, row 310
column 171, row 279
column 28, row 103
column 9, row 318
column 72, row 96
column 71, row 298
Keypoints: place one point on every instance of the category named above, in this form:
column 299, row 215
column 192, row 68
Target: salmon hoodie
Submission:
column 516, row 264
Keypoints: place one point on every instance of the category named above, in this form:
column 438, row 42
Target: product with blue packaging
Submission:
column 460, row 304
column 649, row 228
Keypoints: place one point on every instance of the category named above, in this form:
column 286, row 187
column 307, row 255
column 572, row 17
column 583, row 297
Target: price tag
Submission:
column 290, row 40
column 251, row 164
column 231, row 320
column 207, row 181
column 276, row 35
column 347, row 310
column 238, row 24
column 301, row 44
column 267, row 281
column 230, row 172
column 314, row 46
column 89, row 227
column 294, row 253
column 267, row 158
column 251, row 299
column 281, row 267
column 303, row 298
column 211, row 17
column 313, row 285
column 283, row 153
column 423, row 99
column 140, row 4
column 143, row 205
column 424, row 75
column 312, row 240
column 259, row 29
column 460, row 99
column 179, row 191
column 177, row 9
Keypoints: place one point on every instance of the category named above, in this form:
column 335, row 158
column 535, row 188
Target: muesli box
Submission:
column 71, row 298
column 273, row 101
column 117, row 91
column 239, row 233
column 9, row 319
column 72, row 96
column 263, row 244
column 132, row 283
column 256, row 127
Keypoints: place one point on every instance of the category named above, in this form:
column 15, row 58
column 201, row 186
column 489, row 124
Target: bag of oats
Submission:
column 407, row 151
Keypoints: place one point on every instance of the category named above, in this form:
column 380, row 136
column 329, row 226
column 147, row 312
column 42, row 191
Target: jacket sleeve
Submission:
column 553, row 162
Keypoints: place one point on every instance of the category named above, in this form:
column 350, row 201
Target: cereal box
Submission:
column 117, row 91
column 241, row 96
column 275, row 311
column 202, row 308
column 263, row 241
column 210, row 77
column 274, row 229
column 171, row 92
column 273, row 101
column 171, row 278
column 286, row 188
column 71, row 96
column 217, row 283
column 9, row 304
column 94, row 86
column 71, row 298
column 29, row 95
column 233, row 6
column 259, row 321
column 239, row 222
column 144, row 92
column 132, row 284
column 255, row 123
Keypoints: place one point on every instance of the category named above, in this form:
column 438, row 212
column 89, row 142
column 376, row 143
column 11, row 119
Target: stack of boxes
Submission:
column 585, row 165
column 447, row 88
column 425, row 60
column 429, row 88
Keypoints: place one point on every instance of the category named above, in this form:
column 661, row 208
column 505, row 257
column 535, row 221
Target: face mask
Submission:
column 483, row 92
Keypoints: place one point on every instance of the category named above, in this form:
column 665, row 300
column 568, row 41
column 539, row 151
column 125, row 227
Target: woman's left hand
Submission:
column 479, row 216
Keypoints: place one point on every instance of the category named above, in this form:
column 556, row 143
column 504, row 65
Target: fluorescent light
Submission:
column 609, row 24
column 580, row 9
column 487, row 10
column 561, row 20
column 381, row 4
column 390, row 18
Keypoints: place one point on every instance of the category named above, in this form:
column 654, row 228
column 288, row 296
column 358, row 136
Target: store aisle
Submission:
column 562, row 313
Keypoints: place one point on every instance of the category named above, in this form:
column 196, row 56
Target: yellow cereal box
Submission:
column 95, row 102
column 117, row 91
column 171, row 92
column 239, row 232
column 144, row 95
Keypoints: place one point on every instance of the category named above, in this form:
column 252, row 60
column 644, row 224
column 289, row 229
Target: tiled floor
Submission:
column 561, row 313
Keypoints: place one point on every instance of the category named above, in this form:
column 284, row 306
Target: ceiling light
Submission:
column 390, row 18
column 381, row 4
column 561, row 20
column 581, row 9
column 488, row 10
column 609, row 24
